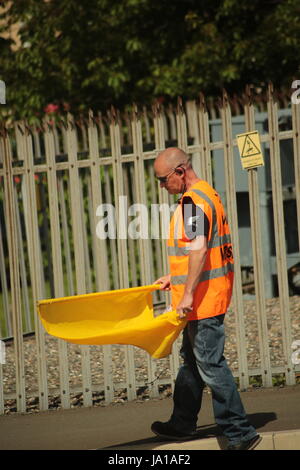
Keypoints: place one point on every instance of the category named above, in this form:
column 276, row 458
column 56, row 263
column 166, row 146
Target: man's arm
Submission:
column 197, row 256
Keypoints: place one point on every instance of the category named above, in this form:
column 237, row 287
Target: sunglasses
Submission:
column 164, row 179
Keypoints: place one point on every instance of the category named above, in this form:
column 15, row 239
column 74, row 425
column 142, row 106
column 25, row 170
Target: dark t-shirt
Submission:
column 194, row 218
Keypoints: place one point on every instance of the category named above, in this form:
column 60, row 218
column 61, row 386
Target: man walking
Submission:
column 200, row 280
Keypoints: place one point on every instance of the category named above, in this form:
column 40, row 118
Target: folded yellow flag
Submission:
column 123, row 316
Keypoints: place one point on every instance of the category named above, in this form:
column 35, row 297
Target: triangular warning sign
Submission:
column 249, row 148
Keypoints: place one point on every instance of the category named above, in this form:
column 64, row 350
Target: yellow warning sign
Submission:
column 250, row 150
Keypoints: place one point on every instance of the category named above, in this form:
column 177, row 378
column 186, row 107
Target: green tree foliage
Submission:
column 101, row 52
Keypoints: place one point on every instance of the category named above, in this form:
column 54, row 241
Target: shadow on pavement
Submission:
column 258, row 420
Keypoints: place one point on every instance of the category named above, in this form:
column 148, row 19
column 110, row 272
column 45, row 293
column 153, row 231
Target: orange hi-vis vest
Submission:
column 213, row 293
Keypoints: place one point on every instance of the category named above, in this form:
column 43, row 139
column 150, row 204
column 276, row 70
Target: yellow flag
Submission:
column 123, row 316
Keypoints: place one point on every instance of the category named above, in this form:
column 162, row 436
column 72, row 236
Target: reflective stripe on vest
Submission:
column 206, row 275
column 184, row 251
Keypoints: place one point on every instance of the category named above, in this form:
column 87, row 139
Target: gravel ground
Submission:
column 141, row 360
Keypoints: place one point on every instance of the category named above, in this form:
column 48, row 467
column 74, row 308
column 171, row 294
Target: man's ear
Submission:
column 180, row 171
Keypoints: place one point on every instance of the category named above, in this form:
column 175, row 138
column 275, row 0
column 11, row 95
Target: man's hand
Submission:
column 185, row 305
column 164, row 281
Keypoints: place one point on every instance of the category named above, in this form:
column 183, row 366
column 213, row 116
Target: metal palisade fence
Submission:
column 59, row 181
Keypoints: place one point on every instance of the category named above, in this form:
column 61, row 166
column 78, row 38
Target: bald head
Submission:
column 171, row 158
column 174, row 170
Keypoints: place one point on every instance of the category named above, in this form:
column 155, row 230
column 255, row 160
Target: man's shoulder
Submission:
column 202, row 190
column 201, row 186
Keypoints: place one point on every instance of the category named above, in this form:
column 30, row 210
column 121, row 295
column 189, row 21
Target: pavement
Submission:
column 274, row 412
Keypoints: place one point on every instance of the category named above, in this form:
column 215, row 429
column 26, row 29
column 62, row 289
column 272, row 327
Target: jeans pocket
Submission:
column 207, row 339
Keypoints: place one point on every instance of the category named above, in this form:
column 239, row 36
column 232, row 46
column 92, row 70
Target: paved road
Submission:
column 274, row 409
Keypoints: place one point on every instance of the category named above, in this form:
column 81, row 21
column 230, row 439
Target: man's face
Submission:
column 169, row 178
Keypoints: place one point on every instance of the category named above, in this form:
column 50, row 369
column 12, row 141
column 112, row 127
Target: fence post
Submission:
column 139, row 177
column 16, row 309
column 122, row 242
column 258, row 257
column 280, row 236
column 99, row 247
column 206, row 168
column 233, row 223
column 77, row 224
column 56, row 255
column 34, row 253
column 181, row 126
column 193, row 132
column 119, row 191
column 144, row 244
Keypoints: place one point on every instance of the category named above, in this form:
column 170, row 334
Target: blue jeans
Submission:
column 204, row 363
